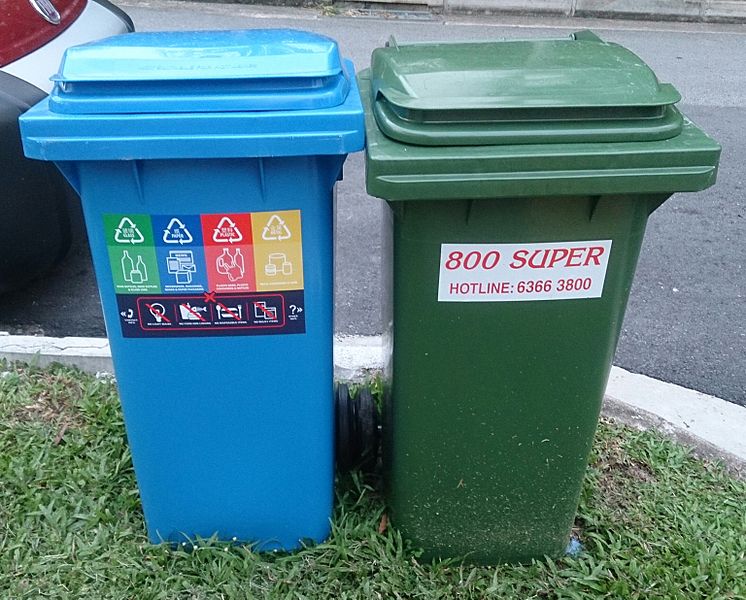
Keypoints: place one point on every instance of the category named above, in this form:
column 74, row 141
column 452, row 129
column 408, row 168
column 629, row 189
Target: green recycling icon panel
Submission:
column 128, row 230
column 190, row 255
column 134, row 270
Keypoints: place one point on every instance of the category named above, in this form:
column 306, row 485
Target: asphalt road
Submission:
column 686, row 320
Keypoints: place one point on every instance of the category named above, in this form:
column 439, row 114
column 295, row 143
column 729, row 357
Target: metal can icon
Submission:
column 278, row 263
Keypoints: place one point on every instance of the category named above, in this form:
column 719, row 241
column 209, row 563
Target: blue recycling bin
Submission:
column 206, row 164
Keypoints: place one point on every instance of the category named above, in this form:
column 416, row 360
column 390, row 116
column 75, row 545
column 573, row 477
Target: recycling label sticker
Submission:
column 210, row 274
column 523, row 272
column 134, row 265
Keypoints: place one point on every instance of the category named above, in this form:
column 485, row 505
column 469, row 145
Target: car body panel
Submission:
column 26, row 25
column 95, row 21
column 37, row 205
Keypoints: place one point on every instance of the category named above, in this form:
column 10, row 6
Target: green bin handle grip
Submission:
column 586, row 35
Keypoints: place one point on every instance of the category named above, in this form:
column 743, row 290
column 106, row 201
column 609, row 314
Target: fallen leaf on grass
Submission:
column 383, row 524
column 61, row 434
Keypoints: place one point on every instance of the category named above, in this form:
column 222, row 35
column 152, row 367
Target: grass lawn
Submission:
column 653, row 521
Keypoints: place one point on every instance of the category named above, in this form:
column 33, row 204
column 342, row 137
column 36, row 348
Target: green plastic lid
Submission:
column 573, row 90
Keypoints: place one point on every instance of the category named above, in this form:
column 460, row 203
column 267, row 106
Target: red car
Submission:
column 35, row 202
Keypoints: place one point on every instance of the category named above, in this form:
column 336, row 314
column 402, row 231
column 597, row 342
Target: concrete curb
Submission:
column 707, row 11
column 637, row 418
column 702, row 11
column 712, row 427
column 87, row 354
column 686, row 413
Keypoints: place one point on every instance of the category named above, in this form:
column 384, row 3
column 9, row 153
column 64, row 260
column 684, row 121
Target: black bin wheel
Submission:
column 356, row 428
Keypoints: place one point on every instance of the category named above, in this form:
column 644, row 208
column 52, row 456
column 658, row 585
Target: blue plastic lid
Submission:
column 205, row 71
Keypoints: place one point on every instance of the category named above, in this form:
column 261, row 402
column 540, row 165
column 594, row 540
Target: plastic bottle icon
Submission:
column 238, row 260
column 224, row 260
column 231, row 265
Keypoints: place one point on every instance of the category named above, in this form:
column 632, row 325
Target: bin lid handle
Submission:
column 586, row 35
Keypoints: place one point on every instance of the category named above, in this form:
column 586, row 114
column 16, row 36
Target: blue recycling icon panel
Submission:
column 177, row 230
column 182, row 269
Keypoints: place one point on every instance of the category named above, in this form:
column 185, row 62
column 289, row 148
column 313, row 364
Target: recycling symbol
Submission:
column 128, row 233
column 276, row 229
column 227, row 232
column 177, row 233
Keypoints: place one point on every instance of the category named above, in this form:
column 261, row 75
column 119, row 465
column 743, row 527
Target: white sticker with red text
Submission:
column 515, row 272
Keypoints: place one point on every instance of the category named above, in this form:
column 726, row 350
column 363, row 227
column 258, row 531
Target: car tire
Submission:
column 35, row 232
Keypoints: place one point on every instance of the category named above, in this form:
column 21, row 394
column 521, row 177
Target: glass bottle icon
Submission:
column 140, row 272
column 134, row 272
column 128, row 266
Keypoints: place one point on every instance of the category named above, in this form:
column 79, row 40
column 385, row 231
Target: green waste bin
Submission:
column 520, row 175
